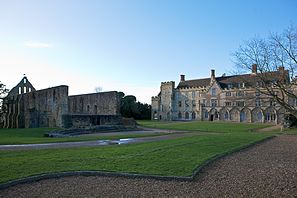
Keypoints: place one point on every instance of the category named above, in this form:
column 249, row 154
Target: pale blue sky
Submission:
column 129, row 45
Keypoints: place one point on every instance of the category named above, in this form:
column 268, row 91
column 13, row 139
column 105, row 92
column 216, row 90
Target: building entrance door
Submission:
column 211, row 117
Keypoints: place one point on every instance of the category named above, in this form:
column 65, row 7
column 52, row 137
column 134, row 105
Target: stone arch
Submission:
column 205, row 114
column 235, row 114
column 187, row 115
column 213, row 114
column 96, row 110
column 224, row 114
column 155, row 116
column 270, row 115
column 179, row 115
column 257, row 115
column 193, row 115
column 245, row 115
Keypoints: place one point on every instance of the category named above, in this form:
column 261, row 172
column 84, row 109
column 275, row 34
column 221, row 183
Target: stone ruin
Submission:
column 26, row 107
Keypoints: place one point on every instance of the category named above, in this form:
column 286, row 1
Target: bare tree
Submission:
column 3, row 92
column 276, row 53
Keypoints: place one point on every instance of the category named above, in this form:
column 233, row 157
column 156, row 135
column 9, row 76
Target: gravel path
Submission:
column 265, row 170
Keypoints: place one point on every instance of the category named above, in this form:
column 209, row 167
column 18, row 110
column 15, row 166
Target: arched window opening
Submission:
column 179, row 115
column 193, row 115
column 155, row 115
column 187, row 115
column 242, row 116
column 95, row 109
column 226, row 116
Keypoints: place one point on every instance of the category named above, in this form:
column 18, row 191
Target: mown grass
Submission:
column 177, row 157
column 36, row 135
column 291, row 131
column 205, row 126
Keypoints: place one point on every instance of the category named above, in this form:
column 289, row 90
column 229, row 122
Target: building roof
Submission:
column 249, row 80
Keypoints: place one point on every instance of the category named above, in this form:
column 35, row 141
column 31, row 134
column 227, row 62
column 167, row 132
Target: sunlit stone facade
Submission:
column 228, row 98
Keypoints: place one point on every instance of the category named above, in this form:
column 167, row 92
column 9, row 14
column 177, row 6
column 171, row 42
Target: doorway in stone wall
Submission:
column 211, row 117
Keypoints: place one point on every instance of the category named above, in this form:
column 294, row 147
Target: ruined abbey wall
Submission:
column 104, row 103
column 24, row 107
column 43, row 108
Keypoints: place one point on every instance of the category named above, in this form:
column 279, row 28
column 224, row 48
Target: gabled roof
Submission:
column 247, row 79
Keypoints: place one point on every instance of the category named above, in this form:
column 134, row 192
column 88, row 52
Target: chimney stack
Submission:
column 281, row 69
column 254, row 68
column 213, row 76
column 182, row 78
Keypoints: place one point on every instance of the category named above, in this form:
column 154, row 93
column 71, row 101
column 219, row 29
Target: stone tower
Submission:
column 166, row 100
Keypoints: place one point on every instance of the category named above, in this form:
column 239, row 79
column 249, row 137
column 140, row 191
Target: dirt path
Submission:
column 265, row 170
column 272, row 128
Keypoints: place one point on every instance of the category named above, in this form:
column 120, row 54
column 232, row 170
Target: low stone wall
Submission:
column 79, row 121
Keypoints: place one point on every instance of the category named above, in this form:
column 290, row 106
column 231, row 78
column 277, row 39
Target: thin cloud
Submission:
column 34, row 44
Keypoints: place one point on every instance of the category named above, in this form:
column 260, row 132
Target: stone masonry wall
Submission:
column 105, row 103
column 43, row 108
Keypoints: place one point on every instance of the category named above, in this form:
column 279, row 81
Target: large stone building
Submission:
column 25, row 107
column 228, row 98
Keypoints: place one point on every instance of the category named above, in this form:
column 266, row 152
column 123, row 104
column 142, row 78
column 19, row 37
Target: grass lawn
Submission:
column 177, row 157
column 292, row 131
column 35, row 135
column 205, row 126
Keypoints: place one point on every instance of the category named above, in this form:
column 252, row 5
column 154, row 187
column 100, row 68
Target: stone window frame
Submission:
column 228, row 104
column 213, row 91
column 228, row 94
column 187, row 103
column 214, row 102
column 179, row 103
column 258, row 102
column 180, row 116
column 240, row 103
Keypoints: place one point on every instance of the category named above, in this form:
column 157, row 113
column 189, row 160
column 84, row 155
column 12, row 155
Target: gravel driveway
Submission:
column 265, row 170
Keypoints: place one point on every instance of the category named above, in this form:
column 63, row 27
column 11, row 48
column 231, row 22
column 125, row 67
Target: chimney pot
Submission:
column 254, row 68
column 281, row 69
column 213, row 73
column 182, row 77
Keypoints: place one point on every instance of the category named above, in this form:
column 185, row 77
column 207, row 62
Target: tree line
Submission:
column 130, row 108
